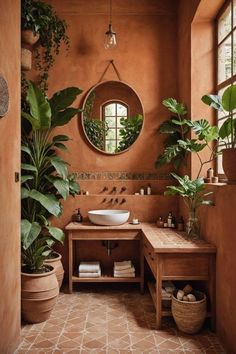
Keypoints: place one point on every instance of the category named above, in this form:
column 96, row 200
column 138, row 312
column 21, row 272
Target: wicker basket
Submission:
column 189, row 316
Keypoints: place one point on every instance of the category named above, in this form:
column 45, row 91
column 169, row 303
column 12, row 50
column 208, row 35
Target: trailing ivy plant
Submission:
column 177, row 144
column 45, row 178
column 131, row 127
column 41, row 18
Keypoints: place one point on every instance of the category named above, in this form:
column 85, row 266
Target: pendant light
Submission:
column 110, row 36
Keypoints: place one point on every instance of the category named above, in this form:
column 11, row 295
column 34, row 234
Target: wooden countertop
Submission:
column 161, row 240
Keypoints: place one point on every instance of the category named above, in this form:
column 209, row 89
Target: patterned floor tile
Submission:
column 110, row 321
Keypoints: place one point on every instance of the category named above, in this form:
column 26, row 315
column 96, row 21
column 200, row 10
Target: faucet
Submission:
column 105, row 189
column 123, row 201
column 113, row 190
column 123, row 189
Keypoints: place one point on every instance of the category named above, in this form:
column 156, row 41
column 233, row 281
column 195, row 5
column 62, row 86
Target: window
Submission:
column 226, row 57
column 112, row 112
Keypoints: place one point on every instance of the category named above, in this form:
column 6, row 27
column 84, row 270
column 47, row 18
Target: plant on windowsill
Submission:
column 177, row 147
column 129, row 132
column 227, row 132
column 48, row 29
column 45, row 181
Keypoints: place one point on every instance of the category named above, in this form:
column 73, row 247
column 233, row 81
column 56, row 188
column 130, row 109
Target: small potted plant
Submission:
column 193, row 194
column 227, row 132
column 39, row 22
column 45, row 181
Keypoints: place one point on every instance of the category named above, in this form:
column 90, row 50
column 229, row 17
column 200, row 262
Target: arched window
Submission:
column 112, row 112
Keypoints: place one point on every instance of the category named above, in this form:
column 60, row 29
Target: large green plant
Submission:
column 41, row 18
column 177, row 144
column 45, row 178
column 226, row 104
column 131, row 127
column 96, row 131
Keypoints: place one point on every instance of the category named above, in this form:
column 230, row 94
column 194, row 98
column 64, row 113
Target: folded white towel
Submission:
column 123, row 271
column 89, row 267
column 122, row 265
column 126, row 275
column 90, row 275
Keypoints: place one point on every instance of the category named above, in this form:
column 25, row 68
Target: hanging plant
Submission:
column 42, row 19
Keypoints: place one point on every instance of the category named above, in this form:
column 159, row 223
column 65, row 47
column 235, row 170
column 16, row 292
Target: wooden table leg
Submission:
column 212, row 290
column 70, row 247
column 158, row 291
column 141, row 266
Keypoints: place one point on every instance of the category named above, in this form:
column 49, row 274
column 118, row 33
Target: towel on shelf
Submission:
column 124, row 271
column 89, row 267
column 122, row 265
column 124, row 275
column 90, row 275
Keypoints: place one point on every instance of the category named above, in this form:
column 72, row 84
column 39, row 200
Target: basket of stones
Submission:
column 189, row 309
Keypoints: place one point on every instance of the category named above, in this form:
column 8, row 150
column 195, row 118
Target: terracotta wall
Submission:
column 217, row 222
column 145, row 58
column 9, row 190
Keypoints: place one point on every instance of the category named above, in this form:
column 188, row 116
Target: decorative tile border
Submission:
column 121, row 176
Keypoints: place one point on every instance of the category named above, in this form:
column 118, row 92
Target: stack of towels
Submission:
column 89, row 270
column 124, row 269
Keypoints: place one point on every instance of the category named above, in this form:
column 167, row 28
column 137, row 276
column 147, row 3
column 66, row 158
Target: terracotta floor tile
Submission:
column 110, row 321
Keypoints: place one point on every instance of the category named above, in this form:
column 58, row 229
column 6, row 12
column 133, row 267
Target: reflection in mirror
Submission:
column 112, row 116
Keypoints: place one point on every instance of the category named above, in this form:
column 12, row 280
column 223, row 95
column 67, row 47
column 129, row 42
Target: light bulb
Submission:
column 110, row 38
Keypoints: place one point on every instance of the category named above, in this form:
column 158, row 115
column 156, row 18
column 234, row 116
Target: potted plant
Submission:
column 45, row 181
column 193, row 194
column 39, row 22
column 227, row 132
column 177, row 144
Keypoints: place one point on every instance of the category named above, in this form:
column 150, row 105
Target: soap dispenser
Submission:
column 77, row 217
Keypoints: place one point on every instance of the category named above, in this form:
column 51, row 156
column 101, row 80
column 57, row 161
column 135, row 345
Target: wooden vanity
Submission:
column 168, row 253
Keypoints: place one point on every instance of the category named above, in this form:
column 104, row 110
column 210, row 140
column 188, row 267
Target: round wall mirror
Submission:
column 112, row 117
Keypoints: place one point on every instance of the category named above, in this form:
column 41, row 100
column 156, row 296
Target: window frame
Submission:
column 116, row 116
column 232, row 79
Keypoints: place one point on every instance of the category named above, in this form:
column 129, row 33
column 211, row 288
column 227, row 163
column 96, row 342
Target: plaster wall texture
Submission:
column 9, row 189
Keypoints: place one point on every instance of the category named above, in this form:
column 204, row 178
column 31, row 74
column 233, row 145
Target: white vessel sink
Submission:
column 108, row 217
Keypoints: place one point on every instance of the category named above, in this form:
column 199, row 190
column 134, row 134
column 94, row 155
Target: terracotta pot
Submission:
column 38, row 295
column 57, row 265
column 229, row 164
column 26, row 59
column 28, row 37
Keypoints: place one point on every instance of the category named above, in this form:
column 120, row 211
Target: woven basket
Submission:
column 189, row 316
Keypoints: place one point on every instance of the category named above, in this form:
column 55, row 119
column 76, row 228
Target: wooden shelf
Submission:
column 106, row 279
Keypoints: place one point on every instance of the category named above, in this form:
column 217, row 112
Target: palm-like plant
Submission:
column 45, row 178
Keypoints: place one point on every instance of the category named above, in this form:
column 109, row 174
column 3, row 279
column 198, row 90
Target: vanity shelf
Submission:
column 106, row 279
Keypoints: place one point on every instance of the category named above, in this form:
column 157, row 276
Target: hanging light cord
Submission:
column 110, row 11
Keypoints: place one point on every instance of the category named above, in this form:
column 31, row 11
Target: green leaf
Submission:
column 39, row 107
column 174, row 106
column 32, row 120
column 28, row 167
column 59, row 165
column 47, row 201
column 62, row 186
column 213, row 101
column 64, row 117
column 64, row 98
column 168, row 127
column 179, row 122
column 61, row 146
column 26, row 149
column 225, row 129
column 229, row 98
column 24, row 193
column 57, row 233
column 59, row 138
column 29, row 233
column 26, row 178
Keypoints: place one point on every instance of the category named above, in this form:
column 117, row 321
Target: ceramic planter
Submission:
column 28, row 37
column 38, row 295
column 26, row 59
column 229, row 164
column 57, row 265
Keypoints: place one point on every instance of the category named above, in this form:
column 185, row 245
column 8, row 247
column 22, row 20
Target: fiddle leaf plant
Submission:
column 129, row 132
column 177, row 144
column 45, row 179
column 226, row 105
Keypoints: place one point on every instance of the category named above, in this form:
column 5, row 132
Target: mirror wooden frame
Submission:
column 127, row 103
